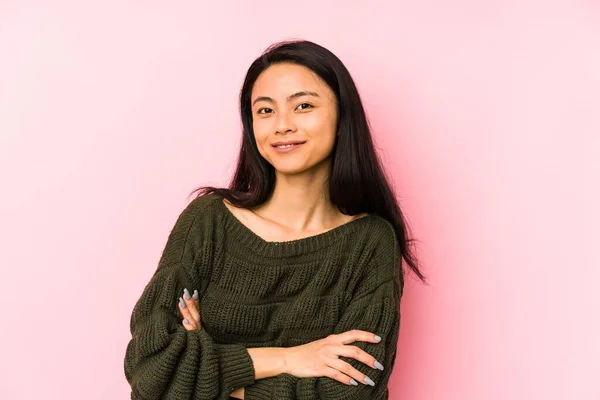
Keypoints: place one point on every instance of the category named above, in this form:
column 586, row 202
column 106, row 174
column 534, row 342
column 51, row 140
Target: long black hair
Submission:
column 357, row 183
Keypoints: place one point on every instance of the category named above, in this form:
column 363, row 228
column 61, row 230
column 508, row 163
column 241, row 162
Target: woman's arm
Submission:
column 268, row 362
column 374, row 308
column 163, row 359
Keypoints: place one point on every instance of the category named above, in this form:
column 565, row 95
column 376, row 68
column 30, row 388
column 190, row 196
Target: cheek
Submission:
column 261, row 127
column 260, row 135
column 322, row 129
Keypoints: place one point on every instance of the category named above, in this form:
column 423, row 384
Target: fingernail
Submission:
column 185, row 321
column 378, row 365
column 377, row 338
column 368, row 381
column 196, row 294
column 186, row 293
column 181, row 303
column 352, row 381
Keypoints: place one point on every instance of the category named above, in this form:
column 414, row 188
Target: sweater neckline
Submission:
column 309, row 244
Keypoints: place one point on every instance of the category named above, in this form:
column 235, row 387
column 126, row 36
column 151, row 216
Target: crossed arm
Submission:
column 166, row 360
column 319, row 358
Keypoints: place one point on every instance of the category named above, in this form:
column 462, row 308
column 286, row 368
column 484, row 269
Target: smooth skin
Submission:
column 291, row 103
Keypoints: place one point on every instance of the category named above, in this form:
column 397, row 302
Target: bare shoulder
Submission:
column 357, row 216
column 243, row 214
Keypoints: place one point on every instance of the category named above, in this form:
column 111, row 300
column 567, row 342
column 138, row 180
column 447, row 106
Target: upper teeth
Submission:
column 285, row 145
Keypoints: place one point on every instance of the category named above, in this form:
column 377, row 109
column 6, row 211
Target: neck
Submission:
column 300, row 202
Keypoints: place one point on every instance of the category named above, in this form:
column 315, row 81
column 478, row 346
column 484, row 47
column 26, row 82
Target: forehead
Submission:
column 281, row 80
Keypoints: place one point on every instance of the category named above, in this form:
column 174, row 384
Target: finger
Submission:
column 196, row 298
column 358, row 335
column 359, row 354
column 348, row 370
column 185, row 312
column 187, row 325
column 191, row 306
column 340, row 377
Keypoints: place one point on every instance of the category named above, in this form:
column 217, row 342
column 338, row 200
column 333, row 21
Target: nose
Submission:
column 285, row 123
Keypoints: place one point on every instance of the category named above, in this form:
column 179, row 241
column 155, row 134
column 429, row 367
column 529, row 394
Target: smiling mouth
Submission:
column 284, row 148
column 287, row 145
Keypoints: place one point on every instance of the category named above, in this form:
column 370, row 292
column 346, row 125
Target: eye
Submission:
column 261, row 110
column 305, row 104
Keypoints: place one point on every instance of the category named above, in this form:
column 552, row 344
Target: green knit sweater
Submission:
column 255, row 293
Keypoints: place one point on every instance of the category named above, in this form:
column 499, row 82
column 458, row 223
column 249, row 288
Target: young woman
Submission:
column 287, row 284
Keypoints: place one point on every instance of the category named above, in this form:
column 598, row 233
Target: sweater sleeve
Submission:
column 163, row 360
column 374, row 308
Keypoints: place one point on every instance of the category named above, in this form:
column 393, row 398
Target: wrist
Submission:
column 238, row 394
column 268, row 361
column 283, row 356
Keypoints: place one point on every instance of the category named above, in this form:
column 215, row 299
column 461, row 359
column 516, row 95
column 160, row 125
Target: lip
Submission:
column 296, row 143
column 290, row 142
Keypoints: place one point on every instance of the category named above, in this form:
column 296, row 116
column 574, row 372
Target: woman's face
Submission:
column 291, row 104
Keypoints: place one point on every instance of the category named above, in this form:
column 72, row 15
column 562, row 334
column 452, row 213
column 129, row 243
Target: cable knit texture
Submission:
column 255, row 293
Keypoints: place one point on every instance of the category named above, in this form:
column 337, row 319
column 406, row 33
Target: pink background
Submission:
column 487, row 114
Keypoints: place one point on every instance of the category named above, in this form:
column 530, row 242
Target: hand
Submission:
column 320, row 358
column 191, row 314
column 190, row 310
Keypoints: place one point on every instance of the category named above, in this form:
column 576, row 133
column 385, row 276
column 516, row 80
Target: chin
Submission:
column 289, row 170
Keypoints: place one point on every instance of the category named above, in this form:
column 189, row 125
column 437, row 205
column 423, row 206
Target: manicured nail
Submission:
column 187, row 295
column 185, row 321
column 378, row 365
column 368, row 381
column 196, row 294
column 181, row 303
column 377, row 338
column 352, row 381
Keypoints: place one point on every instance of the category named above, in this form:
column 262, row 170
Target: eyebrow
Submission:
column 291, row 97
